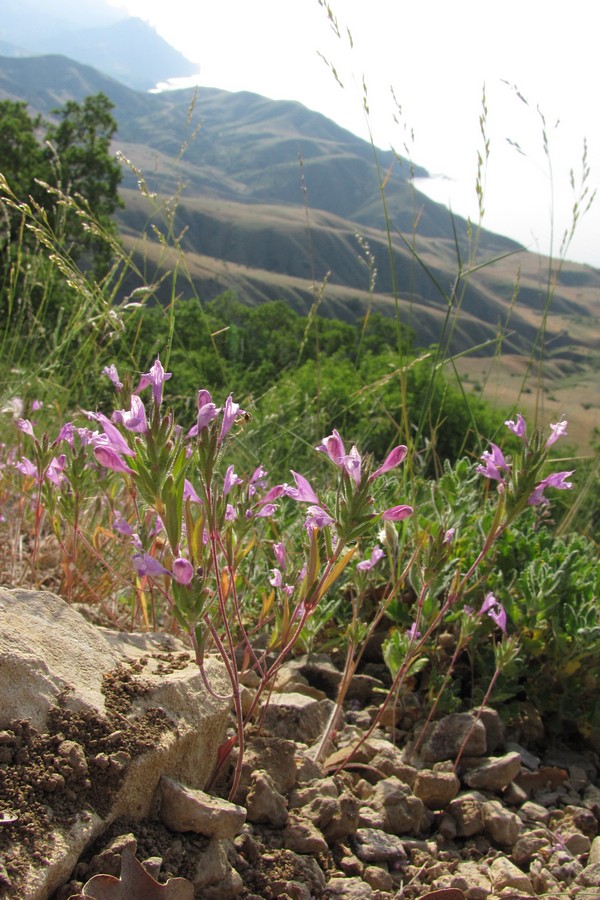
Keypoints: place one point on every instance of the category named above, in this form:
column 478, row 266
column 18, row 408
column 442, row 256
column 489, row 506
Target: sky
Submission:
column 425, row 66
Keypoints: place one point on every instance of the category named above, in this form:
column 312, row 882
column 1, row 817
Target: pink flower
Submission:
column 189, row 492
column 110, row 459
column 230, row 513
column 276, row 578
column 333, row 446
column 155, row 377
column 231, row 412
column 413, row 633
column 133, row 419
column 495, row 611
column 267, row 510
column 26, row 467
column 112, row 436
column 393, row 459
column 559, row 429
column 26, row 427
column 183, row 571
column 317, row 518
column 144, row 564
column 54, row 472
column 111, row 372
column 207, row 411
column 493, row 462
column 303, row 492
column 230, row 480
column 519, row 427
column 397, row 513
column 449, row 536
column 556, row 480
column 352, row 464
column 279, row 551
column 367, row 564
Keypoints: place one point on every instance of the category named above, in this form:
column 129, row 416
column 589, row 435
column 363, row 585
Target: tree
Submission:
column 79, row 152
column 72, row 156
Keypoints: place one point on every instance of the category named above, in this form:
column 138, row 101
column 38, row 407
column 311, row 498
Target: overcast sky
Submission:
column 436, row 55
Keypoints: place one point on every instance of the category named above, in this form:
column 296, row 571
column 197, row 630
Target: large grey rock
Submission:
column 126, row 710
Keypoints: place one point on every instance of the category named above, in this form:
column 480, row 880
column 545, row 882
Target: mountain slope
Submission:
column 270, row 197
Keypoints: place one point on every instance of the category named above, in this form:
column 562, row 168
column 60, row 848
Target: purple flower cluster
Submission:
column 494, row 465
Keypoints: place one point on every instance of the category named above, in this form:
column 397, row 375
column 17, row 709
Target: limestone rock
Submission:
column 491, row 773
column 401, row 811
column 436, row 788
column 372, row 845
column 130, row 708
column 264, row 803
column 504, row 874
column 185, row 809
column 297, row 714
column 502, row 825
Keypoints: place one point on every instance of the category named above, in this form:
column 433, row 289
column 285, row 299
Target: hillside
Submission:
column 271, row 197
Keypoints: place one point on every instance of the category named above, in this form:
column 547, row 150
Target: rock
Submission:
column 377, row 878
column 491, row 773
column 528, row 844
column 588, row 878
column 264, row 803
column 185, row 809
column 344, row 820
column 275, row 755
column 347, row 889
column 372, row 845
column 576, row 843
column 502, row 825
column 494, row 728
column 504, row 874
column 472, row 879
column 131, row 708
column 302, row 836
column 297, row 714
column 322, row 787
column 594, row 856
column 401, row 812
column 436, row 788
column 450, row 733
column 466, row 810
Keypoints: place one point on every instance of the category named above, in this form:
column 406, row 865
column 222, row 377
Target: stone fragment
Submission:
column 214, row 873
column 504, row 874
column 472, row 879
column 302, row 836
column 491, row 773
column 372, row 845
column 436, row 788
column 527, row 845
column 275, row 755
column 467, row 812
column 264, row 803
column 297, row 714
column 588, row 879
column 323, row 787
column 401, row 811
column 345, row 819
column 377, row 878
column 533, row 812
column 502, row 825
column 494, row 727
column 185, row 809
column 577, row 843
column 347, row 889
column 594, row 856
column 449, row 735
